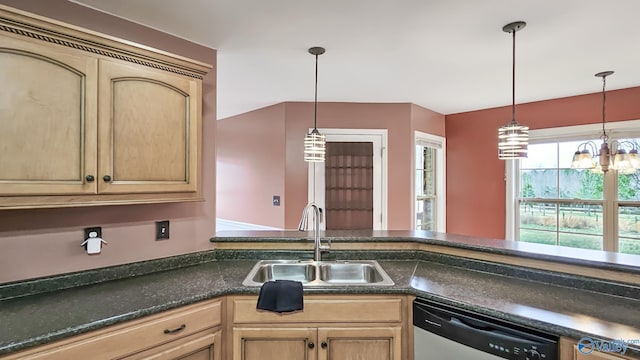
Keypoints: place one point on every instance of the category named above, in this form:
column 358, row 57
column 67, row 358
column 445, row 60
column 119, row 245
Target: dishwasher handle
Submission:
column 450, row 325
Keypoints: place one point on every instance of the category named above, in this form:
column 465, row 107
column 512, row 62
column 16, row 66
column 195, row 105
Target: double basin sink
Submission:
column 319, row 273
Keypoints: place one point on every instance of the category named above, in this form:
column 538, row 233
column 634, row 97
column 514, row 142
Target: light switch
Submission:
column 162, row 230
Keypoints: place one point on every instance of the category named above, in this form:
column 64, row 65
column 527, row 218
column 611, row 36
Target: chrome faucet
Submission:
column 317, row 213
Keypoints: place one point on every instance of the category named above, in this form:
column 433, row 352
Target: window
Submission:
column 425, row 187
column 429, row 183
column 555, row 204
column 559, row 205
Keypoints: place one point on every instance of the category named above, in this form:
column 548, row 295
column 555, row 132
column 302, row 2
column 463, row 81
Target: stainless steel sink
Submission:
column 319, row 273
column 283, row 270
column 361, row 273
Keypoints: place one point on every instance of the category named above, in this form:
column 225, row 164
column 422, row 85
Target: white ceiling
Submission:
column 446, row 55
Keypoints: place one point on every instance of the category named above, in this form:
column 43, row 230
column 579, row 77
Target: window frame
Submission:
column 439, row 144
column 615, row 130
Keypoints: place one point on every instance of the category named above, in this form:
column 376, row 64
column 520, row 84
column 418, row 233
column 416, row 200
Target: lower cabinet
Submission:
column 364, row 343
column 329, row 328
column 192, row 332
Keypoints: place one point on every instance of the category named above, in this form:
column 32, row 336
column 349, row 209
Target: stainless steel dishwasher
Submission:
column 446, row 333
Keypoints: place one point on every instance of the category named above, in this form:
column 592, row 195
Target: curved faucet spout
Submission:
column 317, row 213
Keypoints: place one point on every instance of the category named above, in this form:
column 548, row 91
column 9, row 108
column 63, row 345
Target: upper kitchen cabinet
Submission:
column 88, row 119
column 149, row 120
column 47, row 113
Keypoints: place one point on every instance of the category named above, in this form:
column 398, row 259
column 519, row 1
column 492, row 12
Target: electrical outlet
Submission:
column 162, row 230
column 88, row 230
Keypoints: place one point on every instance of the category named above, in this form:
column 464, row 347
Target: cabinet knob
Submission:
column 311, row 345
column 106, row 178
column 90, row 178
column 324, row 344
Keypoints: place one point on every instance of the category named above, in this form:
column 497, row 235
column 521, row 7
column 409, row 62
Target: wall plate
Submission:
column 162, row 230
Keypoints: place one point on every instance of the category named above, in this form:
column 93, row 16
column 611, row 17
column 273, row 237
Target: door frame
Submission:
column 378, row 137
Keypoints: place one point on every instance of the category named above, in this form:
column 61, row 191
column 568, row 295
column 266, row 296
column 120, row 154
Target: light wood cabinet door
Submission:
column 148, row 130
column 47, row 108
column 274, row 343
column 380, row 343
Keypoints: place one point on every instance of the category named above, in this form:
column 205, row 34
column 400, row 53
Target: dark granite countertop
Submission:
column 593, row 258
column 482, row 287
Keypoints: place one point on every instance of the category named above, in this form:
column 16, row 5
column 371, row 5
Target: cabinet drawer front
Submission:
column 132, row 337
column 348, row 309
column 204, row 345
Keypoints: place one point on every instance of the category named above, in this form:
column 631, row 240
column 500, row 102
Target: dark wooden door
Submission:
column 349, row 186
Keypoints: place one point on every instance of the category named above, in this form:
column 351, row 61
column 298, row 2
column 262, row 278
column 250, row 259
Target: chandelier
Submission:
column 621, row 155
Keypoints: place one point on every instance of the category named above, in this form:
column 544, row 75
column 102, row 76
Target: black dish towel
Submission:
column 280, row 296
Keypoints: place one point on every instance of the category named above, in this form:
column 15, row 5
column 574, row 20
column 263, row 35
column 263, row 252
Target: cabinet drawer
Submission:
column 120, row 340
column 324, row 310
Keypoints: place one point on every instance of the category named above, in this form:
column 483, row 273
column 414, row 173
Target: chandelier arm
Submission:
column 589, row 146
column 618, row 144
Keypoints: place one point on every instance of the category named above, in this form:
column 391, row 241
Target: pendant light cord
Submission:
column 605, row 137
column 513, row 79
column 315, row 101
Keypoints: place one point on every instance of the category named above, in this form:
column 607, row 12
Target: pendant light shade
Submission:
column 315, row 143
column 513, row 138
column 314, row 146
column 613, row 156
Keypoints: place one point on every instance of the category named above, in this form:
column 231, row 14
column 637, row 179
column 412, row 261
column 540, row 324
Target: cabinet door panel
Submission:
column 147, row 129
column 139, row 125
column 274, row 344
column 360, row 343
column 48, row 119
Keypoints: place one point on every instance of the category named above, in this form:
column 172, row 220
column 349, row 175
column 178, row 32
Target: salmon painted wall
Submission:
column 475, row 176
column 47, row 241
column 251, row 167
column 397, row 118
column 427, row 121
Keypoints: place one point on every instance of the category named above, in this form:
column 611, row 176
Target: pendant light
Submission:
column 621, row 160
column 513, row 138
column 314, row 142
